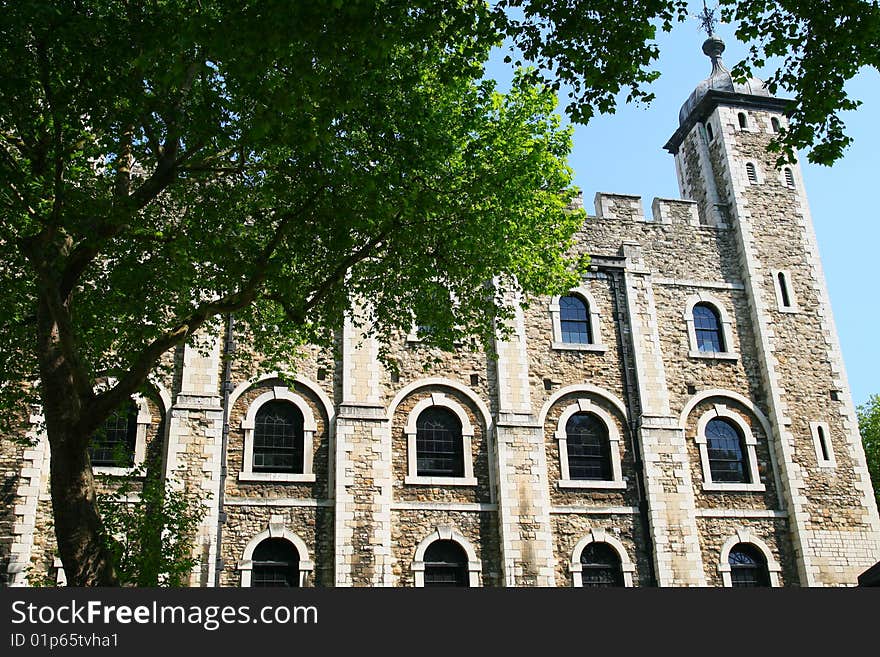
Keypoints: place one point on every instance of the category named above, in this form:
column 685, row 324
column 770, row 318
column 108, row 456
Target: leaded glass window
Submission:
column 574, row 321
column 589, row 455
column 446, row 564
column 600, row 566
column 439, row 448
column 275, row 563
column 707, row 326
column 724, row 444
column 748, row 566
column 278, row 438
column 114, row 443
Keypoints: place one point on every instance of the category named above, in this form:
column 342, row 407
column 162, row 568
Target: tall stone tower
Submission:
column 723, row 164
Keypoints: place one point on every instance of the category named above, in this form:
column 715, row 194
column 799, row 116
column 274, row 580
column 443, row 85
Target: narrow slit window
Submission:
column 783, row 290
column 752, row 173
column 742, row 120
column 789, row 178
column 709, row 131
column 823, row 443
column 774, row 123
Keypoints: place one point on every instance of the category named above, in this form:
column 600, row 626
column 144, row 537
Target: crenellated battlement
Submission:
column 630, row 207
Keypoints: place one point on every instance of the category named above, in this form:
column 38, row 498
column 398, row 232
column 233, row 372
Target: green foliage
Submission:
column 869, row 426
column 150, row 529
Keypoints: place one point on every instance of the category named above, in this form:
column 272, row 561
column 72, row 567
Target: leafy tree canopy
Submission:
column 869, row 426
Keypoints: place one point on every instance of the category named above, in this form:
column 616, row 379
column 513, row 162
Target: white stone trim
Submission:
column 467, row 435
column 793, row 304
column 581, row 388
column 593, row 318
column 585, row 405
column 276, row 529
column 831, row 461
column 744, row 536
column 729, row 352
column 309, row 430
column 759, row 173
column 144, row 420
column 600, row 536
column 445, row 533
column 721, row 411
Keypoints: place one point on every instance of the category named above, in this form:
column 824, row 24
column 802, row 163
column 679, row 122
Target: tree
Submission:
column 165, row 163
column 869, row 426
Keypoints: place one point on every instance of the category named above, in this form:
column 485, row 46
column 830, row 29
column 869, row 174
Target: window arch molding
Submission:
column 585, row 405
column 726, row 327
column 593, row 319
column 600, row 536
column 275, row 530
column 720, row 411
column 439, row 399
column 745, row 536
column 310, row 427
column 445, row 533
column 144, row 420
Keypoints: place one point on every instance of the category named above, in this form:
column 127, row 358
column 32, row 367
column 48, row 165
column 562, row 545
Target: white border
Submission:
column 744, row 536
column 593, row 318
column 584, row 405
column 445, row 533
column 831, row 461
column 309, row 430
column 600, row 536
column 144, row 420
column 721, row 411
column 467, row 435
column 726, row 327
column 276, row 529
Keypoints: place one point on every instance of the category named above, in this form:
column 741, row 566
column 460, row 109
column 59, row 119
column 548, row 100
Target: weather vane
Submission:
column 707, row 19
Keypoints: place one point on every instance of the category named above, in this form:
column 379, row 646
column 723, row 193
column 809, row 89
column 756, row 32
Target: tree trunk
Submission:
column 78, row 526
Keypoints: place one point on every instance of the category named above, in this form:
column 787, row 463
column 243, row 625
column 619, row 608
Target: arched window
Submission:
column 742, row 120
column 574, row 318
column 724, row 445
column 588, row 448
column 709, row 131
column 114, row 443
column 278, row 438
column 774, row 123
column 439, row 445
column 446, row 564
column 275, row 563
column 752, row 173
column 783, row 290
column 789, row 177
column 600, row 566
column 748, row 566
column 707, row 327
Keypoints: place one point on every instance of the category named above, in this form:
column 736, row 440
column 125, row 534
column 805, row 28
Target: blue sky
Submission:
column 623, row 153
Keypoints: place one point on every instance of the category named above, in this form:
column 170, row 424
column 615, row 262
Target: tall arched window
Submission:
column 600, row 566
column 707, row 326
column 575, row 320
column 275, row 563
column 752, row 173
column 439, row 445
column 278, row 438
column 774, row 124
column 748, row 566
column 724, row 445
column 789, row 177
column 588, row 448
column 742, row 120
column 114, row 443
column 446, row 564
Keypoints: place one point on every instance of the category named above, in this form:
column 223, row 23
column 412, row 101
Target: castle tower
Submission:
column 723, row 164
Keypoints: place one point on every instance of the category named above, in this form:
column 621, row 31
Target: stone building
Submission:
column 682, row 418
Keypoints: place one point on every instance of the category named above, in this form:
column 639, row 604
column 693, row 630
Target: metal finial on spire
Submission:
column 707, row 19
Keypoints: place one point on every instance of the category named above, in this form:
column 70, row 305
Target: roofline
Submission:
column 712, row 99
